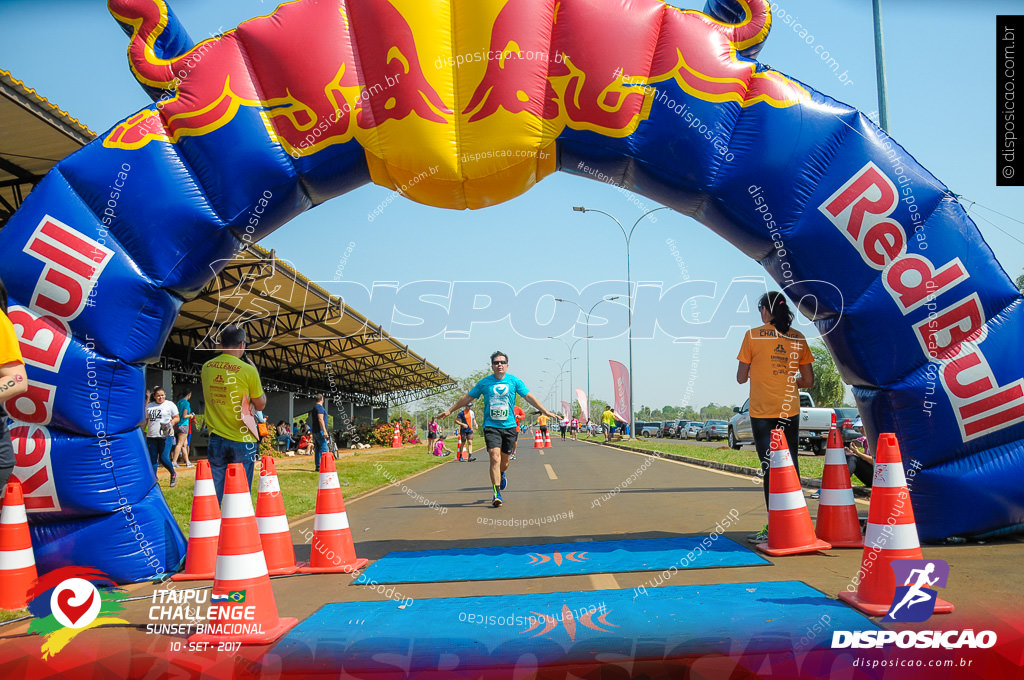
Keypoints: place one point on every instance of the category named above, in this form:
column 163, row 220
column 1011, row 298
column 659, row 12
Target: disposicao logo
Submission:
column 913, row 602
column 66, row 602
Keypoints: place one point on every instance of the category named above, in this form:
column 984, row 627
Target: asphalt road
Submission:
column 666, row 499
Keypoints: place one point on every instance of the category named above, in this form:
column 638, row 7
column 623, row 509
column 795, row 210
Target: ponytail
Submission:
column 781, row 315
column 3, row 297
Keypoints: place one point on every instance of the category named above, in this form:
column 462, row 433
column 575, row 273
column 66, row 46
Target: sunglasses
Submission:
column 499, row 362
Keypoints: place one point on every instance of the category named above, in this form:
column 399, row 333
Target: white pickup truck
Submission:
column 814, row 425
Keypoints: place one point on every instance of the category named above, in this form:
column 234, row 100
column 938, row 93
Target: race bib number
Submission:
column 499, row 411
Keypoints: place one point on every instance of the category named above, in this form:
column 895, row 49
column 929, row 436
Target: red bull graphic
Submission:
column 559, row 75
column 253, row 126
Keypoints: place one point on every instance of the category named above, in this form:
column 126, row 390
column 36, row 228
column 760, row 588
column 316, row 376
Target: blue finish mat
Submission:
column 460, row 634
column 559, row 559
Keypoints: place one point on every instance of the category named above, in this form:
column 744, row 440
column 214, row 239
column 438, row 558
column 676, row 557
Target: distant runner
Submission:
column 500, row 432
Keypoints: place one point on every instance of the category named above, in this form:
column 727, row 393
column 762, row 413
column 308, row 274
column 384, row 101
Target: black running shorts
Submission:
column 501, row 438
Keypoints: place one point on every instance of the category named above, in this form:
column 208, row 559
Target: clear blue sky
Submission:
column 941, row 76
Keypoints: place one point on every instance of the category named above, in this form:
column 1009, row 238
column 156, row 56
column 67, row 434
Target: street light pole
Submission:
column 629, row 293
column 571, row 348
column 587, row 315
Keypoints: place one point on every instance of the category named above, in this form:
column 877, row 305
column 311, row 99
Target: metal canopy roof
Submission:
column 300, row 337
column 34, row 136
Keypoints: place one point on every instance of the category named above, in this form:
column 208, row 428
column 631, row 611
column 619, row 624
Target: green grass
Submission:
column 810, row 466
column 11, row 615
column 299, row 481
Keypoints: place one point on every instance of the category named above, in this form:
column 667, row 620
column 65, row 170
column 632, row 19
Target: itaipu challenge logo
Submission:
column 66, row 602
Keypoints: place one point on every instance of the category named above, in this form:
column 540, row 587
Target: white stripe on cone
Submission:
column 787, row 500
column 239, row 567
column 16, row 559
column 835, row 457
column 328, row 480
column 781, row 458
column 13, row 514
column 892, row 536
column 276, row 524
column 236, row 505
column 204, row 528
column 836, row 497
column 889, row 475
column 331, row 521
column 204, row 487
column 269, row 484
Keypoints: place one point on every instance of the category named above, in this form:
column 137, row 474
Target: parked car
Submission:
column 668, row 429
column 713, row 430
column 652, row 429
column 740, row 432
column 845, row 418
column 679, row 428
column 692, row 428
column 814, row 424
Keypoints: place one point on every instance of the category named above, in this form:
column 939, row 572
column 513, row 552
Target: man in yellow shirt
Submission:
column 777, row 361
column 608, row 423
column 231, row 389
column 13, row 383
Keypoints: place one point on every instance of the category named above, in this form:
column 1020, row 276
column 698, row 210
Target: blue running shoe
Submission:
column 497, row 498
column 504, row 481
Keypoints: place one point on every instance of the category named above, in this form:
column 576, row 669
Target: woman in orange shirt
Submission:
column 776, row 360
column 13, row 382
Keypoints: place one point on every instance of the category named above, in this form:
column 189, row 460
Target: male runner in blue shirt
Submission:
column 500, row 432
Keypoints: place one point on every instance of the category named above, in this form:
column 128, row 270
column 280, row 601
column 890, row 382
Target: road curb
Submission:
column 859, row 491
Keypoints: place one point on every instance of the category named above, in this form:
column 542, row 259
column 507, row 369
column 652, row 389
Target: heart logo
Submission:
column 73, row 612
column 63, row 603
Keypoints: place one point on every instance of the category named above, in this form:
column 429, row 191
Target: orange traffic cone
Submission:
column 891, row 534
column 547, row 441
column 203, row 530
column 17, row 561
column 458, row 451
column 790, row 531
column 396, row 441
column 275, row 535
column 837, row 513
column 242, row 597
column 538, row 440
column 333, row 551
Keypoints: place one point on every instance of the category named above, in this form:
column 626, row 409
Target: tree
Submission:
column 1020, row 283
column 828, row 387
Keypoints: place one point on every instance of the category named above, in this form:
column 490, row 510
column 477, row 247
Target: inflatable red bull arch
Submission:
column 252, row 127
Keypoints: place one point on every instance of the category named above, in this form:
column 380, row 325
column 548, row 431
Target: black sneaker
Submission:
column 471, row 459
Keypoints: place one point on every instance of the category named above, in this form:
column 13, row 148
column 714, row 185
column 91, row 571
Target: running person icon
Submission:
column 500, row 432
column 915, row 594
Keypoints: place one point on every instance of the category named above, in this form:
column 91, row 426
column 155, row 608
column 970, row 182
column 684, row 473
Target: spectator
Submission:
column 608, row 423
column 184, row 428
column 13, row 383
column 432, row 431
column 232, row 391
column 318, row 423
column 284, row 436
column 161, row 417
column 440, row 449
column 776, row 360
